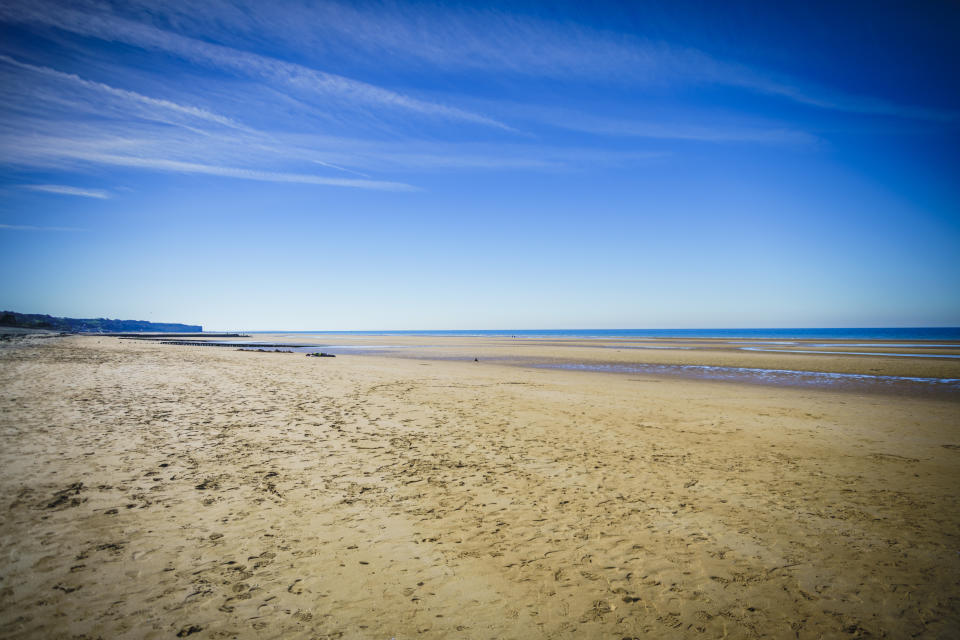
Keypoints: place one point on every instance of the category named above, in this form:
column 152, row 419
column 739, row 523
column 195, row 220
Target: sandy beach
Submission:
column 158, row 491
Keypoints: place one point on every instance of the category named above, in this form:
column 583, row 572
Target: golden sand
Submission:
column 152, row 491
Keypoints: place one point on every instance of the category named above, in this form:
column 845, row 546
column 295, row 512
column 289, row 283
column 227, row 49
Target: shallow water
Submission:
column 780, row 377
column 855, row 353
column 748, row 375
column 911, row 345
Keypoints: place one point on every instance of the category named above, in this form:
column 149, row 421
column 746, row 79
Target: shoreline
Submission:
column 818, row 333
column 935, row 371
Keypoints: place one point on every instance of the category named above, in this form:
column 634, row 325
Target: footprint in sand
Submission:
column 189, row 630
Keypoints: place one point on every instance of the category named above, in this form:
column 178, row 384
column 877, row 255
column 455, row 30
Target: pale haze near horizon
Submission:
column 365, row 166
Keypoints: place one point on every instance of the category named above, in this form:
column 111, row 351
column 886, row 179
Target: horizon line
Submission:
column 738, row 328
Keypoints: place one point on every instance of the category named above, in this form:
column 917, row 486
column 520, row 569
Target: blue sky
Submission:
column 521, row 165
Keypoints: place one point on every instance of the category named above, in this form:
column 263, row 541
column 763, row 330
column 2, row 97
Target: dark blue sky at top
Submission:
column 422, row 165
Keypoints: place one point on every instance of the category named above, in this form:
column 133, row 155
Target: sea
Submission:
column 876, row 333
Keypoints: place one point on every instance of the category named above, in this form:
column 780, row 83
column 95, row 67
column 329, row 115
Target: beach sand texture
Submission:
column 153, row 491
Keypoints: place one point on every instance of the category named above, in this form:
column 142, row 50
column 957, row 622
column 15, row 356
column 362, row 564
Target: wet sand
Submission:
column 154, row 491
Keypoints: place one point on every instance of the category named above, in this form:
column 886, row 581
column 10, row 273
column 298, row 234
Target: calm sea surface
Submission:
column 921, row 333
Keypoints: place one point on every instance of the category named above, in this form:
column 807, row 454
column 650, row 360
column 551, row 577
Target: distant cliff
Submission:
column 95, row 325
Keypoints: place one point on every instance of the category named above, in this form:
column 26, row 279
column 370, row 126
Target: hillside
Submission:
column 90, row 325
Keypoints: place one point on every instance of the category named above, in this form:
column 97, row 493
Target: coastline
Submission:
column 906, row 360
column 154, row 489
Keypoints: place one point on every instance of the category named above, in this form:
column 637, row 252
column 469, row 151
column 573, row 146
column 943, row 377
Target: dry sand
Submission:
column 152, row 491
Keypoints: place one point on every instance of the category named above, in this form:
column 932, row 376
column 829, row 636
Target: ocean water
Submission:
column 881, row 333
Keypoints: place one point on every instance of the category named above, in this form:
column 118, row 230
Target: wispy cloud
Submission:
column 238, row 113
column 66, row 190
column 683, row 125
column 111, row 28
column 339, row 168
column 839, row 101
column 160, row 164
column 27, row 227
column 688, row 132
column 463, row 40
column 186, row 151
column 138, row 99
column 163, row 152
